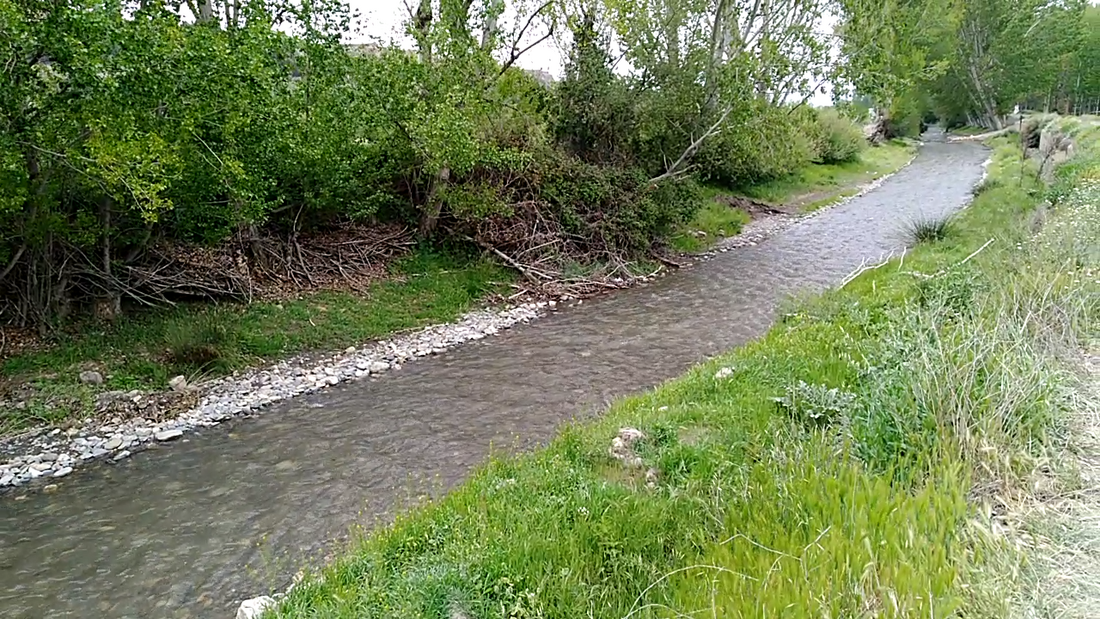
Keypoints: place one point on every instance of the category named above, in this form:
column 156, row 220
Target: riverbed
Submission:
column 233, row 511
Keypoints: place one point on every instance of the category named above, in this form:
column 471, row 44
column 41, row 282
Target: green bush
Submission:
column 836, row 138
column 763, row 144
column 611, row 207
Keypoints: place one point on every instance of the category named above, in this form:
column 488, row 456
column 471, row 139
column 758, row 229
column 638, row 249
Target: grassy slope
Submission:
column 135, row 353
column 811, row 188
column 845, row 502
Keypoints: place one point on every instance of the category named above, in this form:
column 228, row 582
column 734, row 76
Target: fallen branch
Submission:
column 863, row 268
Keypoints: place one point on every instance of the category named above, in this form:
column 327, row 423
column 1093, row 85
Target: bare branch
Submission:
column 515, row 54
column 678, row 168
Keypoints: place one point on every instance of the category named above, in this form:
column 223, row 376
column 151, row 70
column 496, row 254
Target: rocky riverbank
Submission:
column 48, row 454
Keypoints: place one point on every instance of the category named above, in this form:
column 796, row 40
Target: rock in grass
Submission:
column 178, row 384
column 254, row 608
column 91, row 377
column 723, row 373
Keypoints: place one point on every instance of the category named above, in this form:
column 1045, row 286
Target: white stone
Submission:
column 91, row 377
column 723, row 373
column 125, row 453
column 179, row 383
column 379, row 366
column 114, row 443
column 63, row 472
column 254, row 608
column 168, row 435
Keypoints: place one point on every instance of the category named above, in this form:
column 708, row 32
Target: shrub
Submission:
column 764, row 144
column 611, row 208
column 837, row 139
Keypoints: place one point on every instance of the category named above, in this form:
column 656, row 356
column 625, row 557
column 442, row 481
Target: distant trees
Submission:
column 973, row 61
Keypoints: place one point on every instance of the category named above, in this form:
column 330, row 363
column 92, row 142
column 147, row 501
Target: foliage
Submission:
column 131, row 129
column 971, row 62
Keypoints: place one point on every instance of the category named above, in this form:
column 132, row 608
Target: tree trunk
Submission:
column 109, row 305
column 423, row 28
column 433, row 206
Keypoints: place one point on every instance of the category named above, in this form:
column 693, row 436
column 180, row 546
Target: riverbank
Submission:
column 835, row 467
column 106, row 394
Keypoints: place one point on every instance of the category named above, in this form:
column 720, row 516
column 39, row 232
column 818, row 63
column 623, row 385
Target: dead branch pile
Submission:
column 552, row 261
column 259, row 265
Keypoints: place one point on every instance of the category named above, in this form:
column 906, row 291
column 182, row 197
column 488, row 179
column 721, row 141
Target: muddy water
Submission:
column 189, row 529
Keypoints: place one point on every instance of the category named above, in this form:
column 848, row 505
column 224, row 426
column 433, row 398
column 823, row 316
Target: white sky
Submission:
column 384, row 19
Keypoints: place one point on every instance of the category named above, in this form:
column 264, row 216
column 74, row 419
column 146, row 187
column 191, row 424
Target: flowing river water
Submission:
column 231, row 512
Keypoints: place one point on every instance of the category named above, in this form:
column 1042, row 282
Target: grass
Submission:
column 928, row 230
column 145, row 351
column 828, row 469
column 818, row 185
column 716, row 220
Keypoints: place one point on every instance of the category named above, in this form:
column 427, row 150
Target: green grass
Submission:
column 145, row 351
column 716, row 220
column 825, row 473
column 817, row 185
column 928, row 229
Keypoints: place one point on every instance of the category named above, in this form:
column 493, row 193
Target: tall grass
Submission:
column 928, row 230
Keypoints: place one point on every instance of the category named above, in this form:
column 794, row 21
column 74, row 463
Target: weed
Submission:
column 987, row 184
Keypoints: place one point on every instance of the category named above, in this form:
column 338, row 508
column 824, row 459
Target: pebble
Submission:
column 61, row 451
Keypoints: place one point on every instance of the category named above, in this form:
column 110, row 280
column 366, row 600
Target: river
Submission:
column 232, row 511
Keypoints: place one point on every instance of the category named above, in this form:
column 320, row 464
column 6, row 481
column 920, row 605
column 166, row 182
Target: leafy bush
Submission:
column 761, row 145
column 837, row 139
column 610, row 207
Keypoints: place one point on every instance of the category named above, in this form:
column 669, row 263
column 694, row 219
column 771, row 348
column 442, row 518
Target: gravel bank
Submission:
column 43, row 456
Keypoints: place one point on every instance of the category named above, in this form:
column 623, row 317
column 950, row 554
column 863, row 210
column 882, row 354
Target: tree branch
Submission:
column 516, row 53
column 677, row 168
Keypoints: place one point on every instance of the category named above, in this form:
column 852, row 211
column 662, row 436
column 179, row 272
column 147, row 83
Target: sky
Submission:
column 384, row 19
